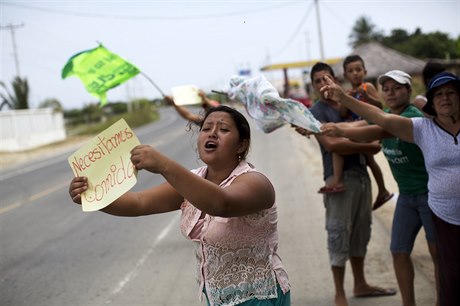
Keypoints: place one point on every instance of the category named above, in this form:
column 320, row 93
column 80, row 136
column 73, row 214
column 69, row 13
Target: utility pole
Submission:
column 12, row 28
column 320, row 34
column 307, row 40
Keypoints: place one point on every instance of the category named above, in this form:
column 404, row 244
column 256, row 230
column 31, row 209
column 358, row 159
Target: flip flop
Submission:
column 331, row 189
column 382, row 200
column 376, row 292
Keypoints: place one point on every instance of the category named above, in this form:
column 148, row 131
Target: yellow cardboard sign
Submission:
column 105, row 161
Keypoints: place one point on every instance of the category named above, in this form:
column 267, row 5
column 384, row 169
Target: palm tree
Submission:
column 19, row 99
column 363, row 32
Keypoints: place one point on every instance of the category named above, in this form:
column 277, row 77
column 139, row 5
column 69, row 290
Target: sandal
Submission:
column 382, row 200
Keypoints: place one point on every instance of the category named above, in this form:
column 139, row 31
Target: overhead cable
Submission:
column 144, row 17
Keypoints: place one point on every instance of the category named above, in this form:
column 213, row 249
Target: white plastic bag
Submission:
column 267, row 108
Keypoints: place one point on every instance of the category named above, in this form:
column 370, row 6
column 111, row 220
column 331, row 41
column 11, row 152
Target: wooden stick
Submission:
column 220, row 92
column 153, row 83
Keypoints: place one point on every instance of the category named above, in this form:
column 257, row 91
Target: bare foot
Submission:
column 340, row 300
column 373, row 291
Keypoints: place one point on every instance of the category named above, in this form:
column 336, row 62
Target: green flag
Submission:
column 99, row 70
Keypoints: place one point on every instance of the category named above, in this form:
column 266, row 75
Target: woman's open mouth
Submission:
column 210, row 145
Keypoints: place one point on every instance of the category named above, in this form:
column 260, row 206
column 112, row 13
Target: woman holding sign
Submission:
column 233, row 218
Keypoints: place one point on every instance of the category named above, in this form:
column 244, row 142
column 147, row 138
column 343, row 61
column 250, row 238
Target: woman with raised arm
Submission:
column 438, row 138
column 188, row 115
column 228, row 211
column 408, row 168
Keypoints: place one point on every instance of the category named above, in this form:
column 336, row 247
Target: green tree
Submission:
column 52, row 103
column 73, row 117
column 397, row 37
column 92, row 113
column 364, row 31
column 117, row 107
column 418, row 44
column 18, row 98
column 433, row 45
column 423, row 46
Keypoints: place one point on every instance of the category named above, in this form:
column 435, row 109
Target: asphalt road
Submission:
column 53, row 254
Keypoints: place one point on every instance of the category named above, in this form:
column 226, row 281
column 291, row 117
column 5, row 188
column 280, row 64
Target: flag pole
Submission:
column 153, row 83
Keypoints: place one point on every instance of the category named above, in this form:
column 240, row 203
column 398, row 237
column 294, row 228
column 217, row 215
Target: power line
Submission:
column 296, row 31
column 126, row 17
column 12, row 28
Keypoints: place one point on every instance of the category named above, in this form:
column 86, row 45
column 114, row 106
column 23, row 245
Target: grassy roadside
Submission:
column 134, row 119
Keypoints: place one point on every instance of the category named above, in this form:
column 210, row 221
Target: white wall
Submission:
column 30, row 128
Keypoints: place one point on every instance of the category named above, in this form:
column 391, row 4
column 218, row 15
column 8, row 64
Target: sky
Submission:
column 202, row 43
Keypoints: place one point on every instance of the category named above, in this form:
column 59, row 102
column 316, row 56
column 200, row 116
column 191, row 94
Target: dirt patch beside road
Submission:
column 10, row 159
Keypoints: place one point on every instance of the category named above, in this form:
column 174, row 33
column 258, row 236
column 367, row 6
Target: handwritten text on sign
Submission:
column 106, row 162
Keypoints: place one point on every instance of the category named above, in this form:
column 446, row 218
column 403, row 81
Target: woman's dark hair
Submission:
column 240, row 122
